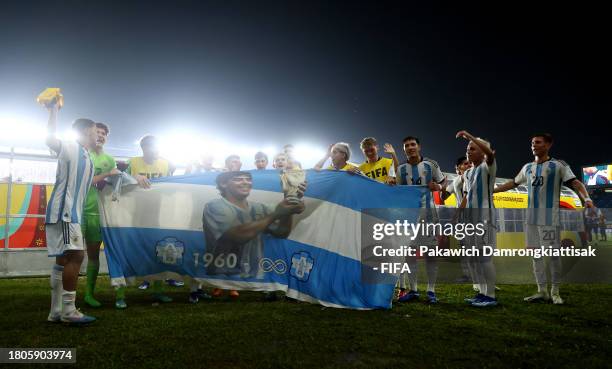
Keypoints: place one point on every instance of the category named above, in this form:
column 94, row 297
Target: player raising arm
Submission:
column 64, row 215
column 543, row 178
column 479, row 181
column 340, row 153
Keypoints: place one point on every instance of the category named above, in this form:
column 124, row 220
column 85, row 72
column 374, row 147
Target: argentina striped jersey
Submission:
column 478, row 184
column 72, row 181
column 544, row 181
column 421, row 174
column 456, row 188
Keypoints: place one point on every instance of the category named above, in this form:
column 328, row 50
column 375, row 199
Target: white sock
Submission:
column 480, row 280
column 68, row 299
column 539, row 271
column 554, row 289
column 431, row 267
column 555, row 274
column 56, row 289
column 473, row 268
column 402, row 281
column 488, row 273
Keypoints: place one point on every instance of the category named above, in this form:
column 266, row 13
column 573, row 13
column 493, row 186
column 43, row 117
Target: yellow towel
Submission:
column 51, row 96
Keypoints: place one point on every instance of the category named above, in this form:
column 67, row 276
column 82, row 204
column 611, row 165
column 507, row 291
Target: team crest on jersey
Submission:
column 170, row 251
column 301, row 265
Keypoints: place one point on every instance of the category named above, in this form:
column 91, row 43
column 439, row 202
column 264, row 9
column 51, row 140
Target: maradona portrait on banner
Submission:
column 234, row 227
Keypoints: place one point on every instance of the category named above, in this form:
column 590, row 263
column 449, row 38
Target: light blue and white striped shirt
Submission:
column 478, row 185
column 544, row 183
column 456, row 188
column 72, row 181
column 421, row 174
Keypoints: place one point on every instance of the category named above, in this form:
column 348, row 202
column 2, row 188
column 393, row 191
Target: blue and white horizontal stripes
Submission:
column 319, row 262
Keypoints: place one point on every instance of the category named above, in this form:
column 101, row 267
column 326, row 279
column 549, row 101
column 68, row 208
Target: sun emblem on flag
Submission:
column 170, row 251
column 301, row 265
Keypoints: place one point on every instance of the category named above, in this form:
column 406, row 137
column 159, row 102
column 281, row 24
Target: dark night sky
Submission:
column 287, row 71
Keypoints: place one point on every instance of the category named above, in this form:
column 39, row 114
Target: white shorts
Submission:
column 540, row 235
column 62, row 237
column 489, row 238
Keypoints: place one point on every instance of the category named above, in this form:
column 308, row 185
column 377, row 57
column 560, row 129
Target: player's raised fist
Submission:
column 463, row 134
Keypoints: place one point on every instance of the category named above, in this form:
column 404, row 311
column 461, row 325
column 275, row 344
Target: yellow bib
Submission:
column 159, row 168
column 379, row 170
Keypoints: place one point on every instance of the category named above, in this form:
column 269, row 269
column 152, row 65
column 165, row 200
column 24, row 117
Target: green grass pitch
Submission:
column 250, row 333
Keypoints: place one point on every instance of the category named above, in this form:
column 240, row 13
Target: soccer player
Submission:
column 280, row 161
column 261, row 160
column 233, row 225
column 478, row 185
column 377, row 167
column 456, row 188
column 233, row 163
column 592, row 222
column 339, row 153
column 143, row 168
column 420, row 171
column 602, row 226
column 104, row 166
column 543, row 178
column 64, row 215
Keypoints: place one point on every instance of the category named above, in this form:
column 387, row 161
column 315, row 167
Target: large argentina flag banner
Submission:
column 153, row 232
